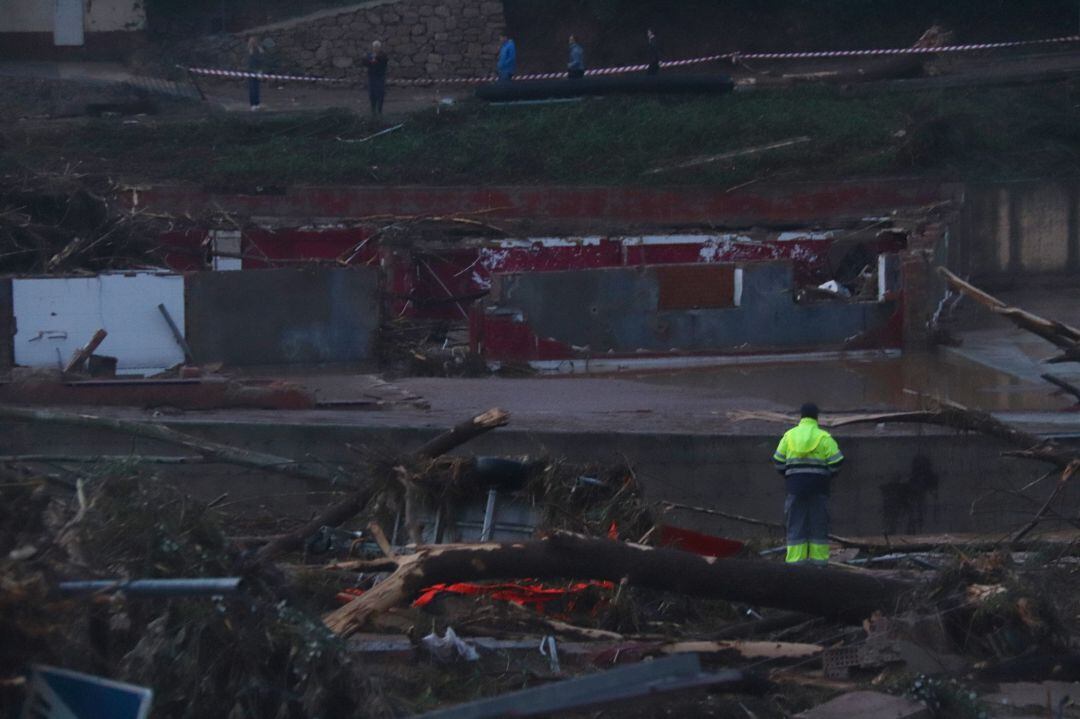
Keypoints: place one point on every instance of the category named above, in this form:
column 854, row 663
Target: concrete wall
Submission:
column 874, row 493
column 424, row 38
column 36, row 16
column 561, row 210
column 26, row 16
column 1010, row 230
column 115, row 15
column 291, row 316
column 111, row 30
column 635, row 309
column 1001, row 232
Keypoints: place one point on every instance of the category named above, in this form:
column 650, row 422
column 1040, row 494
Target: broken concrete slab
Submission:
column 868, row 705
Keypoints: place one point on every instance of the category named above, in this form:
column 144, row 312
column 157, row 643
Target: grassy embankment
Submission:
column 976, row 133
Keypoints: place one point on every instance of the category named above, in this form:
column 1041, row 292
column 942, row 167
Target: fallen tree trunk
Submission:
column 834, row 593
column 1063, row 385
column 150, row 430
column 1064, row 336
column 339, row 513
column 97, row 458
column 462, row 433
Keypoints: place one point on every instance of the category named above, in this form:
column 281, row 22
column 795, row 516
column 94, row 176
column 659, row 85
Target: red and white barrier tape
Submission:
column 902, row 50
column 733, row 56
column 213, row 72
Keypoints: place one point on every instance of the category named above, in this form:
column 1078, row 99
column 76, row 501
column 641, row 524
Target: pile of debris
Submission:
column 207, row 648
column 521, row 587
column 72, row 223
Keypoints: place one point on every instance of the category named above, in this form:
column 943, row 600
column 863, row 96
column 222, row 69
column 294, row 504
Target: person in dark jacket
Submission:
column 652, row 53
column 254, row 64
column 507, row 63
column 376, row 62
column 575, row 68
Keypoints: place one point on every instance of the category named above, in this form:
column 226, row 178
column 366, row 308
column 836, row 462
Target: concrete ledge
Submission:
column 873, row 496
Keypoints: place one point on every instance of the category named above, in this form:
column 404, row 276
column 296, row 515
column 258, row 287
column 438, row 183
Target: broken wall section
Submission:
column 727, row 308
column 269, row 317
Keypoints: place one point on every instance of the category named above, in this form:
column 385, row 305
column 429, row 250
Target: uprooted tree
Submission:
column 835, row 593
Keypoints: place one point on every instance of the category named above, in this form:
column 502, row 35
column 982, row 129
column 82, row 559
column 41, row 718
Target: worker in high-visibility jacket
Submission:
column 808, row 458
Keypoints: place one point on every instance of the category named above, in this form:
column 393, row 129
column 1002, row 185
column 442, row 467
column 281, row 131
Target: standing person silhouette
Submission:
column 254, row 64
column 507, row 62
column 652, row 53
column 376, row 62
column 575, row 68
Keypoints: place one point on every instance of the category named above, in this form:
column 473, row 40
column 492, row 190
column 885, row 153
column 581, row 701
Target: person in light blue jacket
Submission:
column 507, row 58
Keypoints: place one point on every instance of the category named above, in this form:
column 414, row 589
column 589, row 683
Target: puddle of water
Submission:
column 873, row 384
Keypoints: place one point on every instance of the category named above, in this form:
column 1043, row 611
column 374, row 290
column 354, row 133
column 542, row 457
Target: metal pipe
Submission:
column 189, row 357
column 155, row 587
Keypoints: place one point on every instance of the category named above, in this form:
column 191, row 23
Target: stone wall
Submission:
column 424, row 38
column 1010, row 231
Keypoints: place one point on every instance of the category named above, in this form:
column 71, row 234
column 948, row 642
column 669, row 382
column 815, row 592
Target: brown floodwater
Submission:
column 887, row 383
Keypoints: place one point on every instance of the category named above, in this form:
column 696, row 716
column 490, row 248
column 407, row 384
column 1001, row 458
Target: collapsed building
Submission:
column 520, row 280
column 550, row 281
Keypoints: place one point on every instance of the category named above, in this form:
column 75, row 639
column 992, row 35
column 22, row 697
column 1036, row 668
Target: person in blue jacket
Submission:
column 507, row 65
column 575, row 68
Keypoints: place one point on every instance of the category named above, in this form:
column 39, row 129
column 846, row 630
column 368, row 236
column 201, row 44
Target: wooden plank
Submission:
column 83, row 353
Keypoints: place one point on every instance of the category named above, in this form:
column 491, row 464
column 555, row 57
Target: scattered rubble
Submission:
column 958, row 633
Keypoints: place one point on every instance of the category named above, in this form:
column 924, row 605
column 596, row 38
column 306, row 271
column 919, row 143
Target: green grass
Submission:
column 977, row 133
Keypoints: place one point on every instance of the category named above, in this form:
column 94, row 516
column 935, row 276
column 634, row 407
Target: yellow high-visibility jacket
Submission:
column 807, row 457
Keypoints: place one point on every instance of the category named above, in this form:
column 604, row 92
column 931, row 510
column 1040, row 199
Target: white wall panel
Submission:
column 69, row 23
column 56, row 316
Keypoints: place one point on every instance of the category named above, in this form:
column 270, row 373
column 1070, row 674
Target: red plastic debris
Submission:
column 347, row 595
column 704, row 544
column 534, row 596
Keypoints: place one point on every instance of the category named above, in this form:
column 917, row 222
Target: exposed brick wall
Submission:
column 424, row 38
